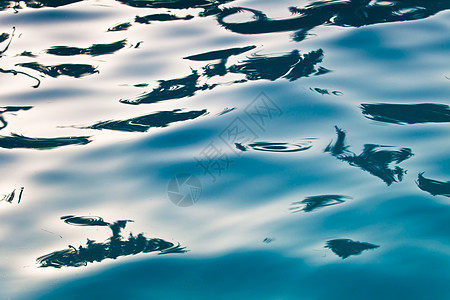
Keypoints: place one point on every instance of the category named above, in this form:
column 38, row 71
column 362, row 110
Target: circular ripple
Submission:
column 281, row 147
column 84, row 221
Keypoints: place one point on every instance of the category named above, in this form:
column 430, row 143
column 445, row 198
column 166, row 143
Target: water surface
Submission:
column 224, row 149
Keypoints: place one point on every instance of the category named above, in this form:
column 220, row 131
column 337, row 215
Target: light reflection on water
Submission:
column 384, row 85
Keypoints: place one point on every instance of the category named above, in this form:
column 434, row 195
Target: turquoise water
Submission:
column 224, row 149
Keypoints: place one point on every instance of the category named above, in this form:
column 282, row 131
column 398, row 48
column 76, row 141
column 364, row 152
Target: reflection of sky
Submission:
column 125, row 175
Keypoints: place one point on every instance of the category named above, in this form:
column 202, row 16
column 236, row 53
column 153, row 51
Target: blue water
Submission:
column 199, row 149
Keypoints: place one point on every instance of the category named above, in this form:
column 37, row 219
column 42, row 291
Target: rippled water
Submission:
column 224, row 149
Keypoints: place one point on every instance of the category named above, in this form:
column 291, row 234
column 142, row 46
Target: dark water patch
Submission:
column 268, row 240
column 71, row 70
column 141, row 85
column 375, row 159
column 219, row 54
column 16, row 141
column 3, row 37
column 407, row 113
column 170, row 89
column 322, row 71
column 6, row 109
column 116, row 246
column 160, row 17
column 85, row 221
column 120, row 27
column 94, row 50
column 306, row 65
column 261, row 23
column 434, row 187
column 354, row 13
column 315, row 202
column 5, row 4
column 226, row 110
column 326, row 92
column 279, row 147
column 175, row 4
column 346, row 247
column 27, row 54
column 144, row 123
column 241, row 147
column 290, row 66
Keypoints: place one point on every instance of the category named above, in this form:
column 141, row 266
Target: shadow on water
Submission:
column 434, row 187
column 291, row 66
column 10, row 197
column 219, row 54
column 160, row 17
column 353, row 13
column 210, row 6
column 346, row 247
column 15, row 141
column 171, row 89
column 113, row 248
column 407, row 113
column 6, row 4
column 4, row 37
column 148, row 19
column 144, row 123
column 326, row 92
column 226, row 111
column 374, row 159
column 94, row 50
column 120, row 27
column 10, row 109
column 315, row 202
column 71, row 70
